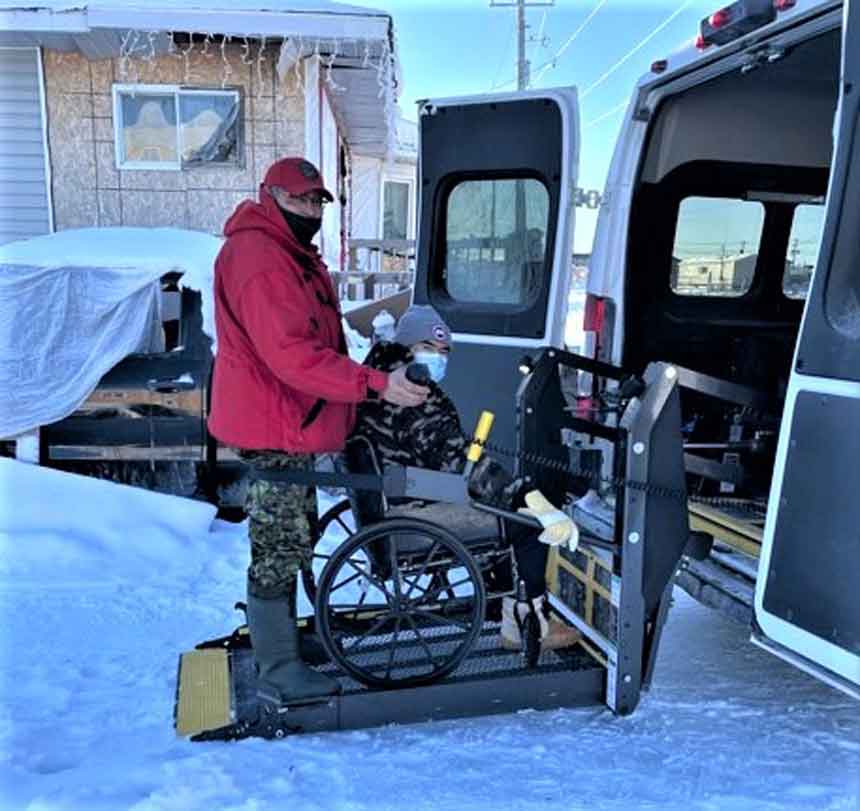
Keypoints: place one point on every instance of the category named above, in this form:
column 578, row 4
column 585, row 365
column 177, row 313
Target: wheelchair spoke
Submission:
column 358, row 605
column 376, row 582
column 441, row 619
column 369, row 632
column 349, row 532
column 422, row 570
column 431, row 596
column 414, row 583
column 343, row 583
column 395, row 567
column 422, row 642
column 393, row 648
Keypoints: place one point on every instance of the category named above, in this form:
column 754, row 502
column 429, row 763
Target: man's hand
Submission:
column 400, row 391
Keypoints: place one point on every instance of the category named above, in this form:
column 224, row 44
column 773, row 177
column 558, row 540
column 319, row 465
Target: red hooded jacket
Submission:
column 282, row 379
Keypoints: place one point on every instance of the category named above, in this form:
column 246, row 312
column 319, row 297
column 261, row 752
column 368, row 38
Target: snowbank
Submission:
column 102, row 586
column 89, row 529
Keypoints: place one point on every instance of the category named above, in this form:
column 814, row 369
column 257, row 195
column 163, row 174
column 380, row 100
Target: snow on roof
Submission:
column 275, row 6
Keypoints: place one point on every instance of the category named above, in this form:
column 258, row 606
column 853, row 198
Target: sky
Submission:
column 460, row 47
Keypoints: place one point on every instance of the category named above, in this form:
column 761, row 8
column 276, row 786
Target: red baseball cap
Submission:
column 297, row 176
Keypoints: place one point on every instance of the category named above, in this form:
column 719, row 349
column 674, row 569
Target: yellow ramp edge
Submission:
column 203, row 692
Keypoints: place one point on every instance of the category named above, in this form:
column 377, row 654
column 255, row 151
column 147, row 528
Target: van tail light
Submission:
column 738, row 19
column 721, row 18
column 595, row 311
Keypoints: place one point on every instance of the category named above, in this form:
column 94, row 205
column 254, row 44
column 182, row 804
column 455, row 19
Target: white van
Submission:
column 728, row 244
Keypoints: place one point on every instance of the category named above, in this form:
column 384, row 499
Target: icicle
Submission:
column 261, row 63
column 246, row 52
column 124, row 55
column 228, row 71
column 186, row 55
column 300, row 76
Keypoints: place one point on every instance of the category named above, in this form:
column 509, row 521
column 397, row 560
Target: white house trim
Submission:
column 43, row 105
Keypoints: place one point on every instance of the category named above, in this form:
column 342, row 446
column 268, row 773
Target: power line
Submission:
column 569, row 41
column 614, row 111
column 505, row 52
column 636, row 48
column 523, row 64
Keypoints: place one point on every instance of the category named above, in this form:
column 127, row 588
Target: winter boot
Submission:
column 283, row 677
column 554, row 634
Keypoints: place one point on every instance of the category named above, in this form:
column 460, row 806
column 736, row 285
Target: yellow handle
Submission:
column 485, row 424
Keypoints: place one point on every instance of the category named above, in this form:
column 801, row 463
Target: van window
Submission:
column 495, row 240
column 716, row 246
column 802, row 249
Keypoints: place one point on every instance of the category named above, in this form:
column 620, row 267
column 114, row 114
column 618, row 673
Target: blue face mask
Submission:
column 435, row 362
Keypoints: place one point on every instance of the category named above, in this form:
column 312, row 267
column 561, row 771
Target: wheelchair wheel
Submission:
column 340, row 520
column 404, row 620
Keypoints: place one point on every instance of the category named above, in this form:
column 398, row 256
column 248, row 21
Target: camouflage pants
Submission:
column 282, row 524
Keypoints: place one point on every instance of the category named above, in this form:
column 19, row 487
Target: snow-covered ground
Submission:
column 95, row 611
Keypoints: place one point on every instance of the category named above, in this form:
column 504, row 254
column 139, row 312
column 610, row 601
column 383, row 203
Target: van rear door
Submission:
column 497, row 179
column 806, row 603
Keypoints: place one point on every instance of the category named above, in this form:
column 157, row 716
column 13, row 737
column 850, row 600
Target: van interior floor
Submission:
column 725, row 580
column 218, row 686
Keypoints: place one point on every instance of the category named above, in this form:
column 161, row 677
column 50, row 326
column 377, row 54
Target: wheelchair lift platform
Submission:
column 217, row 687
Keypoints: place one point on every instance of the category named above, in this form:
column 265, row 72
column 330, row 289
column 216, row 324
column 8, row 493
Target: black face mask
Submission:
column 304, row 228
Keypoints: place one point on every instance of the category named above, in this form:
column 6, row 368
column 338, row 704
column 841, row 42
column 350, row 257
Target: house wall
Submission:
column 87, row 188
column 369, row 176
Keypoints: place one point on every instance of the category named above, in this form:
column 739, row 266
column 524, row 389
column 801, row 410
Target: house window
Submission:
column 173, row 128
column 395, row 210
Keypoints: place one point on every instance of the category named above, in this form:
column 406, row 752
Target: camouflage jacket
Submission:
column 428, row 436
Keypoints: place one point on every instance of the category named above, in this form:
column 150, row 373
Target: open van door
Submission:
column 497, row 180
column 807, row 606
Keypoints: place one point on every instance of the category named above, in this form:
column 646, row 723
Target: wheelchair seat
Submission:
column 471, row 526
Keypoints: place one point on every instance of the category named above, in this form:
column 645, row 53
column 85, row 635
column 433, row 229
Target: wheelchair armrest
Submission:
column 430, row 485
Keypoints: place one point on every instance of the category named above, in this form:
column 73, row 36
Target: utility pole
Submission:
column 523, row 79
column 523, row 66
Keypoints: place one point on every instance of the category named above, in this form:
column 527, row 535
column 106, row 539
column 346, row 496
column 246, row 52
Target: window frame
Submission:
column 174, row 91
column 410, row 196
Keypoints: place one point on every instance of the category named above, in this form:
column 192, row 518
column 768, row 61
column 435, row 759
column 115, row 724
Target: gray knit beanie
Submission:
column 421, row 323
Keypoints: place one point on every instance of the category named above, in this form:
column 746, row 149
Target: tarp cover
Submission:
column 75, row 303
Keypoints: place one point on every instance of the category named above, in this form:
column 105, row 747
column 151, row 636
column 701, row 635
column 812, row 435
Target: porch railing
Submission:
column 377, row 268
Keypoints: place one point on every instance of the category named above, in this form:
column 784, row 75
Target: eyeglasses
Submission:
column 310, row 199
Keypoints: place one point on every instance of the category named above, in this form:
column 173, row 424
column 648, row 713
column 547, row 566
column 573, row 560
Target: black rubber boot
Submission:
column 283, row 677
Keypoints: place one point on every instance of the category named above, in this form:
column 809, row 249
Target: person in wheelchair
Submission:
column 430, row 436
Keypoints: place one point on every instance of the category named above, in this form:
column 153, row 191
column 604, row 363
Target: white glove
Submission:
column 558, row 528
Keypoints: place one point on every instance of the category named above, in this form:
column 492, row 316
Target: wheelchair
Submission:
column 400, row 584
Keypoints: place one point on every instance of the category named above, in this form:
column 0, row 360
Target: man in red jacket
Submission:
column 284, row 389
